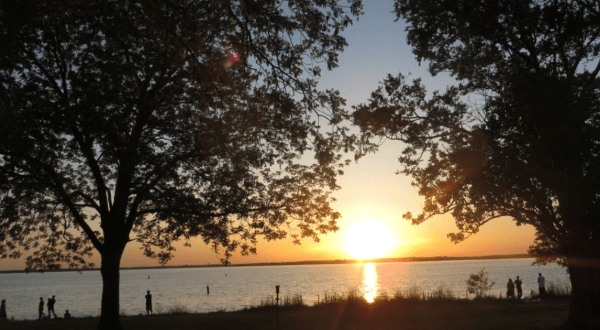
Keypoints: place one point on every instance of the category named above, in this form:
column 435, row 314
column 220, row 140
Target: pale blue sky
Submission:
column 376, row 46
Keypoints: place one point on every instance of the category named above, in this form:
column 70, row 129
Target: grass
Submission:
column 270, row 303
column 558, row 290
column 411, row 309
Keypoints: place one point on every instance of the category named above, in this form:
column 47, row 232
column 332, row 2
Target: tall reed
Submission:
column 284, row 301
column 560, row 289
column 412, row 294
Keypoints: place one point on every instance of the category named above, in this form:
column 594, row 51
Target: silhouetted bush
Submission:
column 478, row 284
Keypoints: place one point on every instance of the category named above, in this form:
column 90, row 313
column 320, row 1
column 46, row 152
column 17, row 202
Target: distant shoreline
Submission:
column 309, row 262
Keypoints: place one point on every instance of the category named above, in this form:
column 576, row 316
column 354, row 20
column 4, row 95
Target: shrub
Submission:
column 441, row 293
column 177, row 310
column 478, row 283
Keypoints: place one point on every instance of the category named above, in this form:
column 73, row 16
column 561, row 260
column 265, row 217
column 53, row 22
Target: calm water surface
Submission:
column 233, row 288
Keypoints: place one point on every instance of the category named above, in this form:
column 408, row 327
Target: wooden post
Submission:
column 277, row 303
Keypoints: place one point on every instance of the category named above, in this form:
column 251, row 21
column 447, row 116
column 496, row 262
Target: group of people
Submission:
column 52, row 301
column 50, row 305
column 510, row 292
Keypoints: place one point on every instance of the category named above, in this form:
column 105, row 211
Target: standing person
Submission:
column 3, row 310
column 510, row 292
column 51, row 302
column 49, row 306
column 41, row 307
column 148, row 303
column 518, row 283
column 67, row 315
column 542, row 285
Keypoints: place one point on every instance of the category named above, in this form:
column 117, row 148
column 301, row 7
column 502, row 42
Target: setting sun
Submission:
column 369, row 239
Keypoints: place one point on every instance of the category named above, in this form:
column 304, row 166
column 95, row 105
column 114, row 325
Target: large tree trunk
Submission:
column 581, row 251
column 584, row 281
column 109, row 314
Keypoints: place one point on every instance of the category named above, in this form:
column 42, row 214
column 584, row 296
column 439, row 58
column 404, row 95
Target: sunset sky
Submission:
column 372, row 196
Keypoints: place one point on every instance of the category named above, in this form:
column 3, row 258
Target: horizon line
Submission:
column 304, row 262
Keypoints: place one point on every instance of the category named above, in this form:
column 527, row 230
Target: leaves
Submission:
column 518, row 136
column 125, row 121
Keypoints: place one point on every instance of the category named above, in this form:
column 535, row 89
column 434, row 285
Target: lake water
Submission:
column 233, row 288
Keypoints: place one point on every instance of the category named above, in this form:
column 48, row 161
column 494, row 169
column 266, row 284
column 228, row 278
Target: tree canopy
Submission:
column 125, row 121
column 519, row 136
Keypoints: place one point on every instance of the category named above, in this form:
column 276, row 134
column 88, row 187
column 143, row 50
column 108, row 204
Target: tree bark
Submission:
column 585, row 282
column 581, row 249
column 109, row 315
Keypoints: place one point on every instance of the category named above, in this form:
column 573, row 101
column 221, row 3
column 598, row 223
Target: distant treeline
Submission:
column 406, row 259
column 314, row 262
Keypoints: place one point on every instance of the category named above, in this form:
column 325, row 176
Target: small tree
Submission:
column 478, row 283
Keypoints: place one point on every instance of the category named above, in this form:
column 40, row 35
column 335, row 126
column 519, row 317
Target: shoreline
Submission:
column 347, row 313
column 414, row 295
column 307, row 262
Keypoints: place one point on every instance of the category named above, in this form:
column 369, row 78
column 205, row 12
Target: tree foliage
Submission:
column 124, row 121
column 127, row 110
column 518, row 137
column 533, row 131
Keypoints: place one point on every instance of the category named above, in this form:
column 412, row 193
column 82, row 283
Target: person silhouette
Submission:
column 518, row 283
column 67, row 314
column 510, row 292
column 148, row 303
column 542, row 285
column 50, row 304
column 3, row 310
column 41, row 307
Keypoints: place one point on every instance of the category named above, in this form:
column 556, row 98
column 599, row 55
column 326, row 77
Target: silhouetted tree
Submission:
column 125, row 121
column 518, row 137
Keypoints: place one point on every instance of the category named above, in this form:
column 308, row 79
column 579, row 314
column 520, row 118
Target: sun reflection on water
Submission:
column 370, row 282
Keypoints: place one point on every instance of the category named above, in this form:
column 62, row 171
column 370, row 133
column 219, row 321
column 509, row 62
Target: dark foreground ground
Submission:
column 446, row 314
